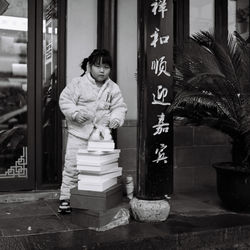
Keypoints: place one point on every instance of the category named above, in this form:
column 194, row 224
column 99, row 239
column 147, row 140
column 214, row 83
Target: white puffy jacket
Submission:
column 83, row 94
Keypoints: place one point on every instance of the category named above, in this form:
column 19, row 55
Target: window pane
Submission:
column 50, row 85
column 238, row 17
column 201, row 15
column 13, row 89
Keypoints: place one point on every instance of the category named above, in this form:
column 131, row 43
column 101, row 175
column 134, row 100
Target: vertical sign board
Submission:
column 155, row 146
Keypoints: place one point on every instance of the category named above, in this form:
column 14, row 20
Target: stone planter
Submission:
column 150, row 210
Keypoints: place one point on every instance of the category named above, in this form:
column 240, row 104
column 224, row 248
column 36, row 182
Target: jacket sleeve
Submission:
column 68, row 100
column 118, row 107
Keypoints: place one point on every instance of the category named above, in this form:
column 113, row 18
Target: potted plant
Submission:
column 211, row 83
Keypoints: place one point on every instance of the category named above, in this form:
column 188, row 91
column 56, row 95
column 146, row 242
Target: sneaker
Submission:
column 64, row 207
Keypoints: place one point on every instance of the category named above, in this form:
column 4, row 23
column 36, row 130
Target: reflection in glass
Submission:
column 50, row 134
column 231, row 16
column 238, row 17
column 201, row 15
column 13, row 90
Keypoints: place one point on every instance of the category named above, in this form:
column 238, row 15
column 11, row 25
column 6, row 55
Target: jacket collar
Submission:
column 92, row 80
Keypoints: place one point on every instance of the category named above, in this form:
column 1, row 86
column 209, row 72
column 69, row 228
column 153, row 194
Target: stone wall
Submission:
column 127, row 142
column 195, row 149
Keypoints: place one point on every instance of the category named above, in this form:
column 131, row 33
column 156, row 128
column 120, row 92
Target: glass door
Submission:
column 16, row 91
column 31, row 69
column 201, row 16
column 49, row 123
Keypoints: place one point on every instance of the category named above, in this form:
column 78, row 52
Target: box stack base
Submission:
column 95, row 209
column 98, row 195
column 95, row 218
column 94, row 200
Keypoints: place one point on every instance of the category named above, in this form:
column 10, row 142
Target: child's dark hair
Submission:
column 96, row 56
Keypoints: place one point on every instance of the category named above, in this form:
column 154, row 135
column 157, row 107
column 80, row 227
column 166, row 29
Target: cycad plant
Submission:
column 212, row 83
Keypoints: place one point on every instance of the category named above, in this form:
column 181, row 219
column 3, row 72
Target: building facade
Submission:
column 42, row 45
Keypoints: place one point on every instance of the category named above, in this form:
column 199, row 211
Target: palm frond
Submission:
column 198, row 59
column 221, row 53
column 235, row 53
column 212, row 85
column 210, row 82
column 202, row 104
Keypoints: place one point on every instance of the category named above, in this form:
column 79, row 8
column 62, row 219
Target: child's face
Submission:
column 100, row 71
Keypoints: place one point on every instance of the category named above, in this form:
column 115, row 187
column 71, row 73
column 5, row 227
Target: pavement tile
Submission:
column 174, row 225
column 21, row 209
column 66, row 219
column 125, row 237
column 74, row 240
column 192, row 224
column 11, row 243
column 53, row 205
column 196, row 204
column 31, row 225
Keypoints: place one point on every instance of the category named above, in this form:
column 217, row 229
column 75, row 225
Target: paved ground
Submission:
column 196, row 221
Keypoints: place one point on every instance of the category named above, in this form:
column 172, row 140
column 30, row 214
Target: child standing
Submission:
column 88, row 102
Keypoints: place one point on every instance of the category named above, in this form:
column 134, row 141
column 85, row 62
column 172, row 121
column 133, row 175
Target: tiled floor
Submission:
column 197, row 221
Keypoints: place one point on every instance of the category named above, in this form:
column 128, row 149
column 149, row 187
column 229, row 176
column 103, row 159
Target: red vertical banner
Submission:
column 155, row 130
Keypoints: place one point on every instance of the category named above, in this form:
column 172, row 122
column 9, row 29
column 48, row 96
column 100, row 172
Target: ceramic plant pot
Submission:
column 233, row 187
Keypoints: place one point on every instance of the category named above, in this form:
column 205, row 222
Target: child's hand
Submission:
column 114, row 123
column 83, row 116
column 90, row 116
column 105, row 120
column 80, row 118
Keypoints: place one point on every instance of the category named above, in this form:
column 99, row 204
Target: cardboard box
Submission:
column 98, row 201
column 92, row 218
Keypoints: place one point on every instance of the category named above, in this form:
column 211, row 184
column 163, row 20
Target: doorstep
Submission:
column 197, row 221
column 23, row 196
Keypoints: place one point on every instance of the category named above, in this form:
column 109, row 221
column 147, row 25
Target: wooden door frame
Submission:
column 107, row 30
column 107, row 35
column 61, row 60
column 181, row 20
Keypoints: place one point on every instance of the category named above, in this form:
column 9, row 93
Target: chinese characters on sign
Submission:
column 160, row 97
column 155, row 130
column 155, row 36
column 159, row 66
column 161, row 127
column 161, row 154
column 159, row 7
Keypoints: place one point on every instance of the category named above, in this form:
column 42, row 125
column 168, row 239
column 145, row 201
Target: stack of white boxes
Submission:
column 98, row 166
column 98, row 195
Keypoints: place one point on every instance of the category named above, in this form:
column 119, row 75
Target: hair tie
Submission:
column 84, row 65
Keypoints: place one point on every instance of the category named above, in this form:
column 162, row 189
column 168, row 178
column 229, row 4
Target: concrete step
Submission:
column 24, row 196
